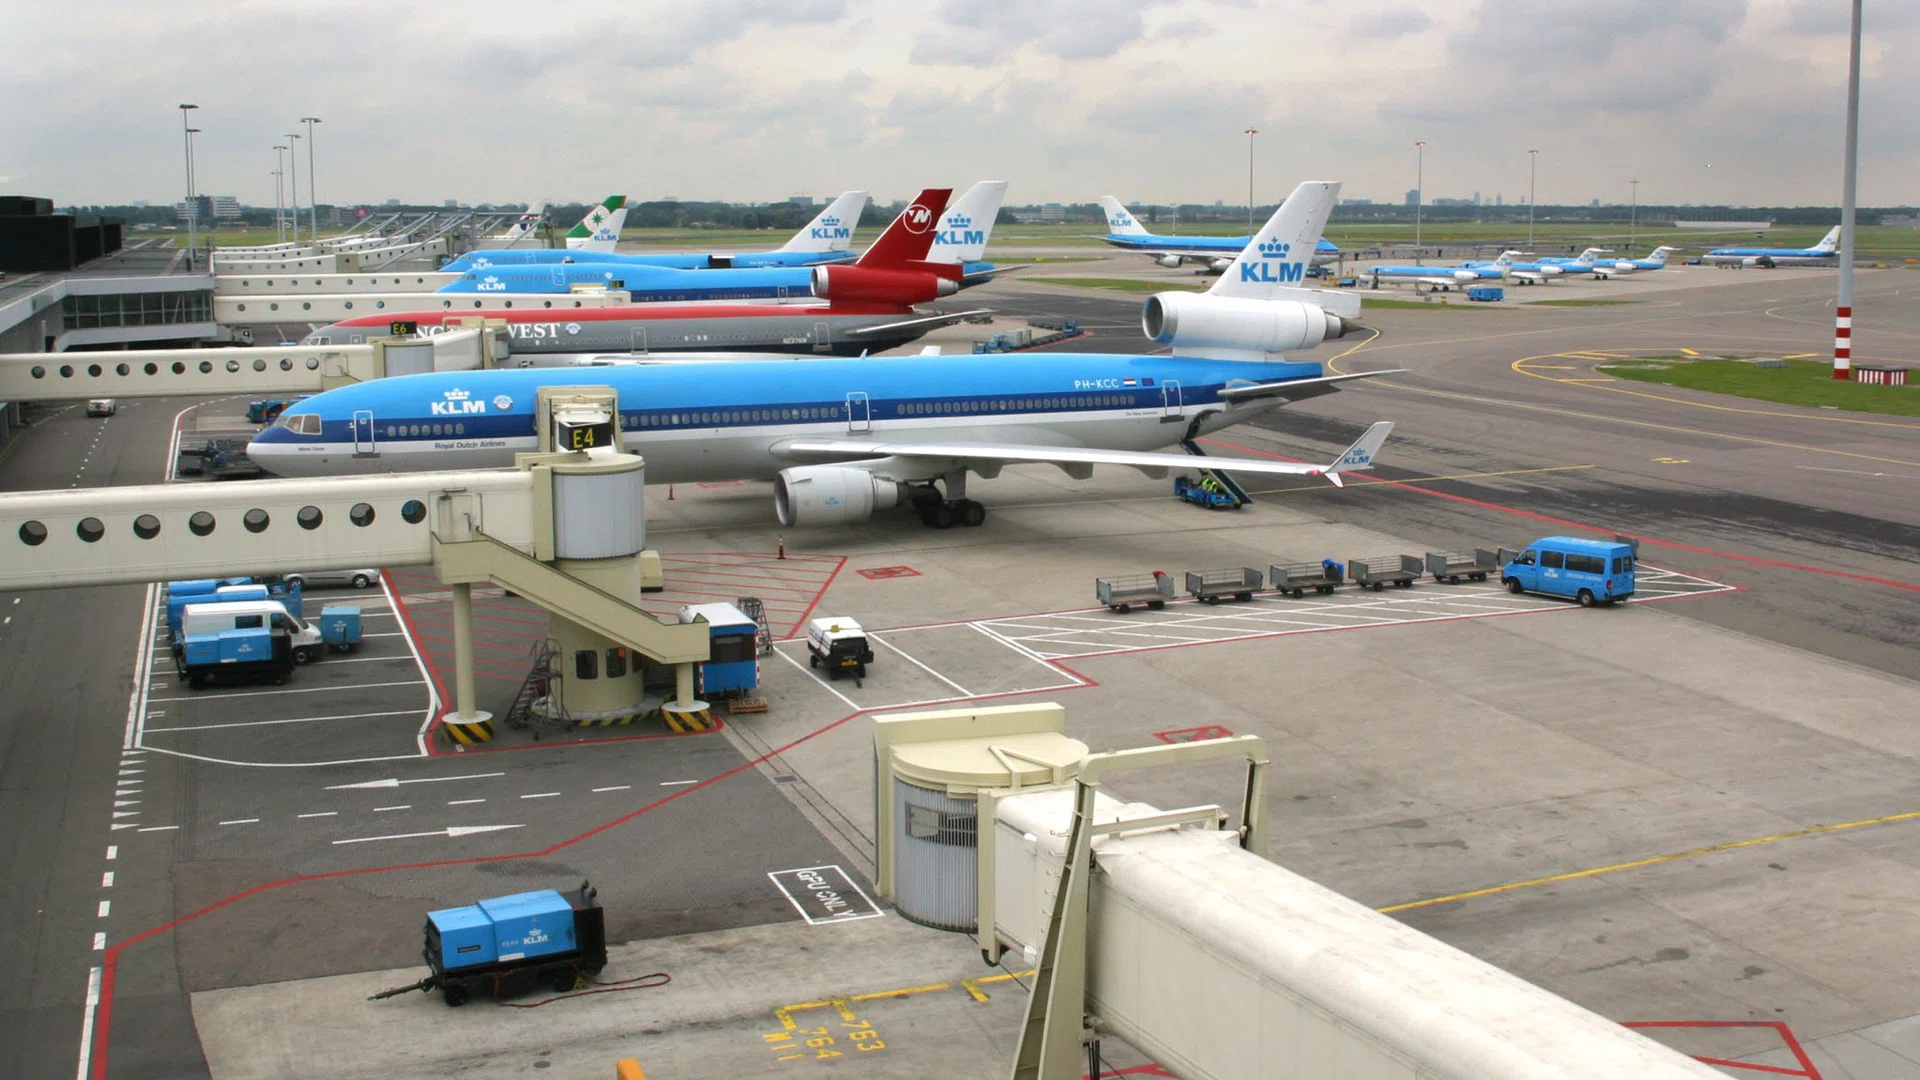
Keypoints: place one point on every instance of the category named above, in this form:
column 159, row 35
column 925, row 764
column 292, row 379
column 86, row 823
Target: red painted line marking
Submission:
column 802, row 620
column 477, row 644
column 1779, row 1027
column 1194, row 734
column 883, row 573
column 1675, row 544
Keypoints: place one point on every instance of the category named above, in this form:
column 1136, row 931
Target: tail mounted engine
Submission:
column 882, row 286
column 1233, row 327
column 830, row 495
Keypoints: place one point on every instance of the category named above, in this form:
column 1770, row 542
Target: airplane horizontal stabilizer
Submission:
column 1299, row 389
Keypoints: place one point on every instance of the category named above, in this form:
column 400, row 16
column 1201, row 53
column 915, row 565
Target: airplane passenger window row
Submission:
column 730, row 416
column 397, row 430
column 941, row 408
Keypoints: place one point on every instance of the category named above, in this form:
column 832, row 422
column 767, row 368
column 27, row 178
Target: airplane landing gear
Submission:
column 941, row 513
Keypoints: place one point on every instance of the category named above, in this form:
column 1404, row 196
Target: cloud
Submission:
column 979, row 32
column 1393, row 23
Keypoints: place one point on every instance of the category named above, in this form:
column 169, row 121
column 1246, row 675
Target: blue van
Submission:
column 1590, row 571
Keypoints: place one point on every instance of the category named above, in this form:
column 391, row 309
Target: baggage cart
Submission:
column 1239, row 582
column 1452, row 566
column 340, row 626
column 1295, row 579
column 1376, row 572
column 1122, row 593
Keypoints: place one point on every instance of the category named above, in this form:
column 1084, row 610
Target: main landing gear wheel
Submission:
column 942, row 514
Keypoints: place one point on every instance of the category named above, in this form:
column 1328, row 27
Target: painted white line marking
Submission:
column 464, row 802
column 106, row 880
column 964, row 692
column 159, row 828
column 815, row 676
column 302, row 690
column 543, row 795
column 617, row 787
column 113, row 851
column 99, row 941
column 322, row 813
column 105, row 909
column 677, row 783
column 126, row 813
column 86, row 1022
column 292, row 720
column 393, row 782
column 242, row 821
column 385, row 809
column 118, row 803
column 453, row 832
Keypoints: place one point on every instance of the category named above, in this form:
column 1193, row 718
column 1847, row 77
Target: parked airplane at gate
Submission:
column 842, row 438
column 827, row 238
column 1824, row 253
column 1655, row 260
column 1504, row 268
column 1216, row 252
column 1593, row 261
column 600, row 229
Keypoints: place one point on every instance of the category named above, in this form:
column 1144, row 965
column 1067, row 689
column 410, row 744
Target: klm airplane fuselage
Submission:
column 645, row 284
column 1227, row 246
column 727, row 421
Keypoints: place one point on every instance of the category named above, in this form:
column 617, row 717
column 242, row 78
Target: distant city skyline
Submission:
column 1712, row 102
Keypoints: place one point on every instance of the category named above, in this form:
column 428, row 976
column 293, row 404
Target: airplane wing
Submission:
column 929, row 322
column 1355, row 458
column 975, row 277
column 1299, row 389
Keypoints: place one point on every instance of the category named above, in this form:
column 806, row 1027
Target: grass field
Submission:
column 1801, row 382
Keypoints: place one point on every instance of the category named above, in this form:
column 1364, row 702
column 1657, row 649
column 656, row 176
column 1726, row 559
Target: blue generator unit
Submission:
column 512, row 944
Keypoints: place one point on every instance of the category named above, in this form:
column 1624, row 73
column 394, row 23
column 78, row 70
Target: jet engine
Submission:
column 1219, row 266
column 1190, row 320
column 830, row 495
column 880, row 286
column 1168, row 261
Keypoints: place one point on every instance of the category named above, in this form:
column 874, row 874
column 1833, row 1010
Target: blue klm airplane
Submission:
column 1217, row 252
column 1820, row 254
column 828, row 238
column 842, row 438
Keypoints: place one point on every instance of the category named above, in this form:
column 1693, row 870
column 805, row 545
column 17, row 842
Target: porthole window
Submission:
column 309, row 517
column 243, row 307
column 206, row 367
column 90, row 530
column 259, row 365
column 66, row 371
column 379, row 304
column 361, row 515
column 286, row 364
column 256, row 520
column 32, row 533
column 201, row 523
column 152, row 368
column 459, row 429
column 39, row 372
column 233, row 366
column 146, row 526
column 349, row 303
column 313, row 363
column 273, row 307
column 390, row 431
column 122, row 370
column 546, row 303
column 413, row 511
column 306, row 305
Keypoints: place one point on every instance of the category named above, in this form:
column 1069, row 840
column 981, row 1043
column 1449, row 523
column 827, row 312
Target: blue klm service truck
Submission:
column 512, row 944
column 1590, row 571
column 732, row 668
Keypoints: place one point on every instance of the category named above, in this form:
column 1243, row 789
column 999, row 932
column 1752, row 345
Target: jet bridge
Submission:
column 334, row 262
column 1176, row 934
column 284, row 370
column 328, row 308
column 565, row 530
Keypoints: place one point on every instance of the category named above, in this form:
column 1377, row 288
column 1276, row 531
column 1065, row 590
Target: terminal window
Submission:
column 137, row 309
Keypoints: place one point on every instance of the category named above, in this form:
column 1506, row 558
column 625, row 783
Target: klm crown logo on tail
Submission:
column 960, row 231
column 830, row 229
column 1120, row 221
column 1273, row 268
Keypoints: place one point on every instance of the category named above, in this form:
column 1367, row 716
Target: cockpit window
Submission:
column 299, row 423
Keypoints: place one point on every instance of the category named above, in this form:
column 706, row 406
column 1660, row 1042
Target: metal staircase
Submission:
column 1227, row 482
column 538, row 701
column 752, row 608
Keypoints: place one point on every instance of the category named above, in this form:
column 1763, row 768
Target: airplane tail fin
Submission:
column 1658, row 256
column 1278, row 254
column 1829, row 242
column 910, row 236
column 831, row 229
column 968, row 224
column 1120, row 221
column 529, row 221
column 1359, row 456
column 600, row 229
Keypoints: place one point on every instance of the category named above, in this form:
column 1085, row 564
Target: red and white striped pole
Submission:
column 1843, row 343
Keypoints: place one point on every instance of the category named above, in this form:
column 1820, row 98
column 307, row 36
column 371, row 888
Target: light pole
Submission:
column 1251, row 132
column 1843, row 302
column 1419, row 191
column 186, row 134
column 280, row 194
column 1533, row 160
column 312, row 192
column 1633, row 215
column 293, row 183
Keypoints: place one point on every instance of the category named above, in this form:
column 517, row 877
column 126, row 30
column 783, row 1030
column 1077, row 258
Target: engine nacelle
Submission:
column 1219, row 266
column 830, row 495
column 1168, row 261
column 880, row 286
column 1196, row 320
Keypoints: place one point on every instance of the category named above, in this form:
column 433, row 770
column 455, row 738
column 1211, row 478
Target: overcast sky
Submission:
column 1739, row 101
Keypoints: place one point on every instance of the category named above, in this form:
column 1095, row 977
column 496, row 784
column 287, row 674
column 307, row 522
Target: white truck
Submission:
column 838, row 644
column 213, row 618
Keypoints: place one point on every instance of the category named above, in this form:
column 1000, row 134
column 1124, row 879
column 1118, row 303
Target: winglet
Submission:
column 1278, row 254
column 1359, row 456
column 831, row 229
column 1120, row 221
column 911, row 234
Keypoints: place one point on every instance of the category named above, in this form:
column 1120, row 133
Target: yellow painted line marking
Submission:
column 1673, row 460
column 1597, row 379
column 1554, row 367
column 1803, row 356
column 1711, row 849
column 972, row 986
column 1689, row 352
column 902, row 993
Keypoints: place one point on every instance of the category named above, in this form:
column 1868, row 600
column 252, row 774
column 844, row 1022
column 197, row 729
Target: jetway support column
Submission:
column 465, row 725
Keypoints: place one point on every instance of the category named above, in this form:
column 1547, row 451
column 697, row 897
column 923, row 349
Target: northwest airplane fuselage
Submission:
column 847, row 328
column 699, row 422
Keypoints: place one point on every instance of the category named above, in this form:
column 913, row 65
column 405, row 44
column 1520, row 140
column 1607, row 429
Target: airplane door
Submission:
column 859, row 414
column 640, row 340
column 822, row 338
column 1170, row 397
column 783, row 294
column 559, row 279
column 363, row 445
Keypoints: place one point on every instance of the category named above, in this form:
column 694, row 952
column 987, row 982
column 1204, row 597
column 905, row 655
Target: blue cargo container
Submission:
column 1486, row 293
column 340, row 626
